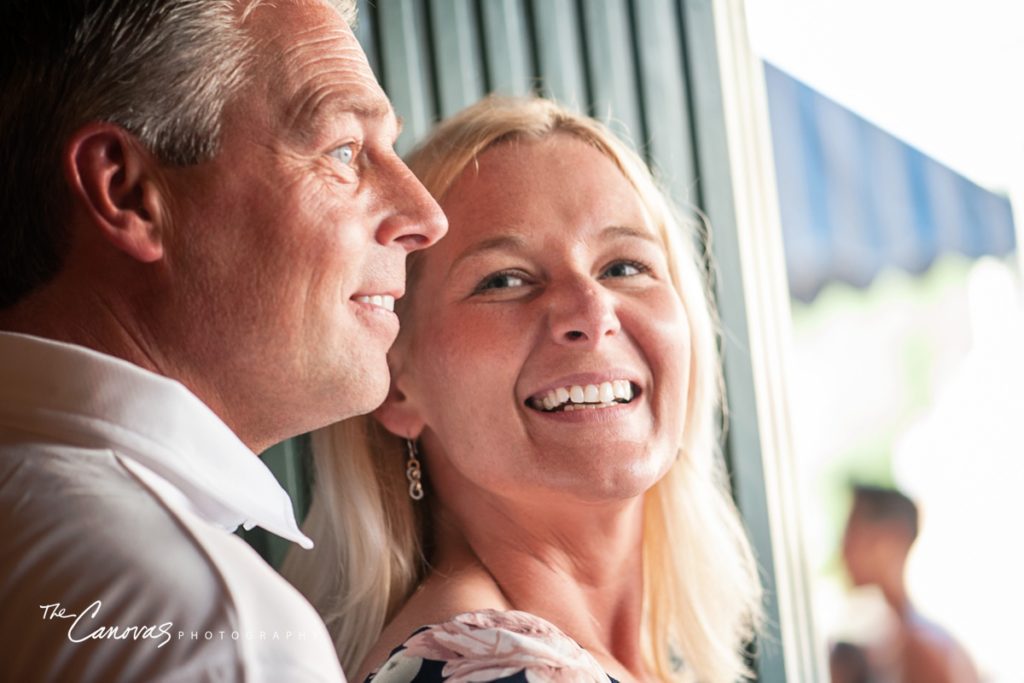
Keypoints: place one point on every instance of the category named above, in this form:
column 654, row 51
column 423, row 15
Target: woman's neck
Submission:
column 579, row 567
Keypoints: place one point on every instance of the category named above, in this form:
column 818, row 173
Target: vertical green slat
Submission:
column 663, row 88
column 287, row 462
column 507, row 47
column 744, row 441
column 457, row 56
column 560, row 55
column 405, row 57
column 366, row 33
column 612, row 67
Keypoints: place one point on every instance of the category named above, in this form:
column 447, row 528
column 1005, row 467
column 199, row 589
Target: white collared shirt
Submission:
column 119, row 492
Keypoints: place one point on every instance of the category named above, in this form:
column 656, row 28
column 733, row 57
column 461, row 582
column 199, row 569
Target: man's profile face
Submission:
column 288, row 247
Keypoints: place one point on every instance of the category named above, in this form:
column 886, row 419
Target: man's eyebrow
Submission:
column 364, row 107
column 314, row 107
column 500, row 243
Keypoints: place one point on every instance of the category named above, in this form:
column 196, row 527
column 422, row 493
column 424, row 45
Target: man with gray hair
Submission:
column 204, row 229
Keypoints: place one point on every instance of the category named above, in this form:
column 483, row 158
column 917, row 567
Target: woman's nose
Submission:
column 582, row 314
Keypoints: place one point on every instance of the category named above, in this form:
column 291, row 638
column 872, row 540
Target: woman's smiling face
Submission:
column 546, row 350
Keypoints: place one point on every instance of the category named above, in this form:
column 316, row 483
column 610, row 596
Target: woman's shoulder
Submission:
column 490, row 645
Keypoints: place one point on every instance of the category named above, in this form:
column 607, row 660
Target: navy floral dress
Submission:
column 490, row 645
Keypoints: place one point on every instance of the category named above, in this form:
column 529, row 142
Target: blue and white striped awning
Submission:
column 856, row 200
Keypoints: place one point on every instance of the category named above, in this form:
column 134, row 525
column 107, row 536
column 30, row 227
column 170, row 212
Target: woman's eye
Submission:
column 624, row 269
column 346, row 153
column 500, row 281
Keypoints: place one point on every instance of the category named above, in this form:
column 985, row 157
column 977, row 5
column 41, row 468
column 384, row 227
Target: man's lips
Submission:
column 385, row 301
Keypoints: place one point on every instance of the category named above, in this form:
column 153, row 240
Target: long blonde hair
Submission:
column 701, row 592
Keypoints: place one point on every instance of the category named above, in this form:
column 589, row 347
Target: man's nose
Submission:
column 582, row 313
column 416, row 221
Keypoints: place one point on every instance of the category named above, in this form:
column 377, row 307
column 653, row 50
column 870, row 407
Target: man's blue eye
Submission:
column 346, row 153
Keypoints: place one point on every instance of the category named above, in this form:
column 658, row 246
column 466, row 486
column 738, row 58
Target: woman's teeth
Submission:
column 589, row 396
column 385, row 301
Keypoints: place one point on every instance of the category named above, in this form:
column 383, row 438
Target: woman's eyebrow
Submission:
column 618, row 231
column 500, row 243
column 517, row 243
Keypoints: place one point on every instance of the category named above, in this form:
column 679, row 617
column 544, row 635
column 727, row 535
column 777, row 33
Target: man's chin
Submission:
column 372, row 403
column 366, row 395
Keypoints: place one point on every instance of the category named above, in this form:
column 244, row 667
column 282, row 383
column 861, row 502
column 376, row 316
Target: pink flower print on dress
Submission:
column 489, row 644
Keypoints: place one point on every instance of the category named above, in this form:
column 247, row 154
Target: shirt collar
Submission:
column 91, row 399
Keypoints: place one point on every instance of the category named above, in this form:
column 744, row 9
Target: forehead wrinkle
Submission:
column 309, row 37
column 320, row 98
column 330, row 91
column 287, row 44
column 300, row 56
column 311, row 53
column 317, row 41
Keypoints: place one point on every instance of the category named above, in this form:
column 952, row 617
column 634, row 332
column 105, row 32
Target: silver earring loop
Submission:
column 413, row 472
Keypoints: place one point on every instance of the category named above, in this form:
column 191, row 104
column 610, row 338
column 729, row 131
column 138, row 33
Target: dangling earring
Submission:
column 412, row 471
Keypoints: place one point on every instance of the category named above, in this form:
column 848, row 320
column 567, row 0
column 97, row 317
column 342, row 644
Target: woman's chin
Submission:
column 617, row 478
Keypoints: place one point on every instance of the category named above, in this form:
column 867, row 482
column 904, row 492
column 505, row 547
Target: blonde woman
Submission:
column 540, row 496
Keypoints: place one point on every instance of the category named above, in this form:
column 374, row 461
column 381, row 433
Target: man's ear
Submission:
column 398, row 414
column 112, row 178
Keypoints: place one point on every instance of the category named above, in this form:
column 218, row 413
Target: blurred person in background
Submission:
column 881, row 528
column 848, row 663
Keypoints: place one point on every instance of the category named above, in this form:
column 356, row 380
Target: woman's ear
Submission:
column 112, row 178
column 398, row 413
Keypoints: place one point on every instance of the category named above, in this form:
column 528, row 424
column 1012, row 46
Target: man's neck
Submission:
column 109, row 326
column 92, row 322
